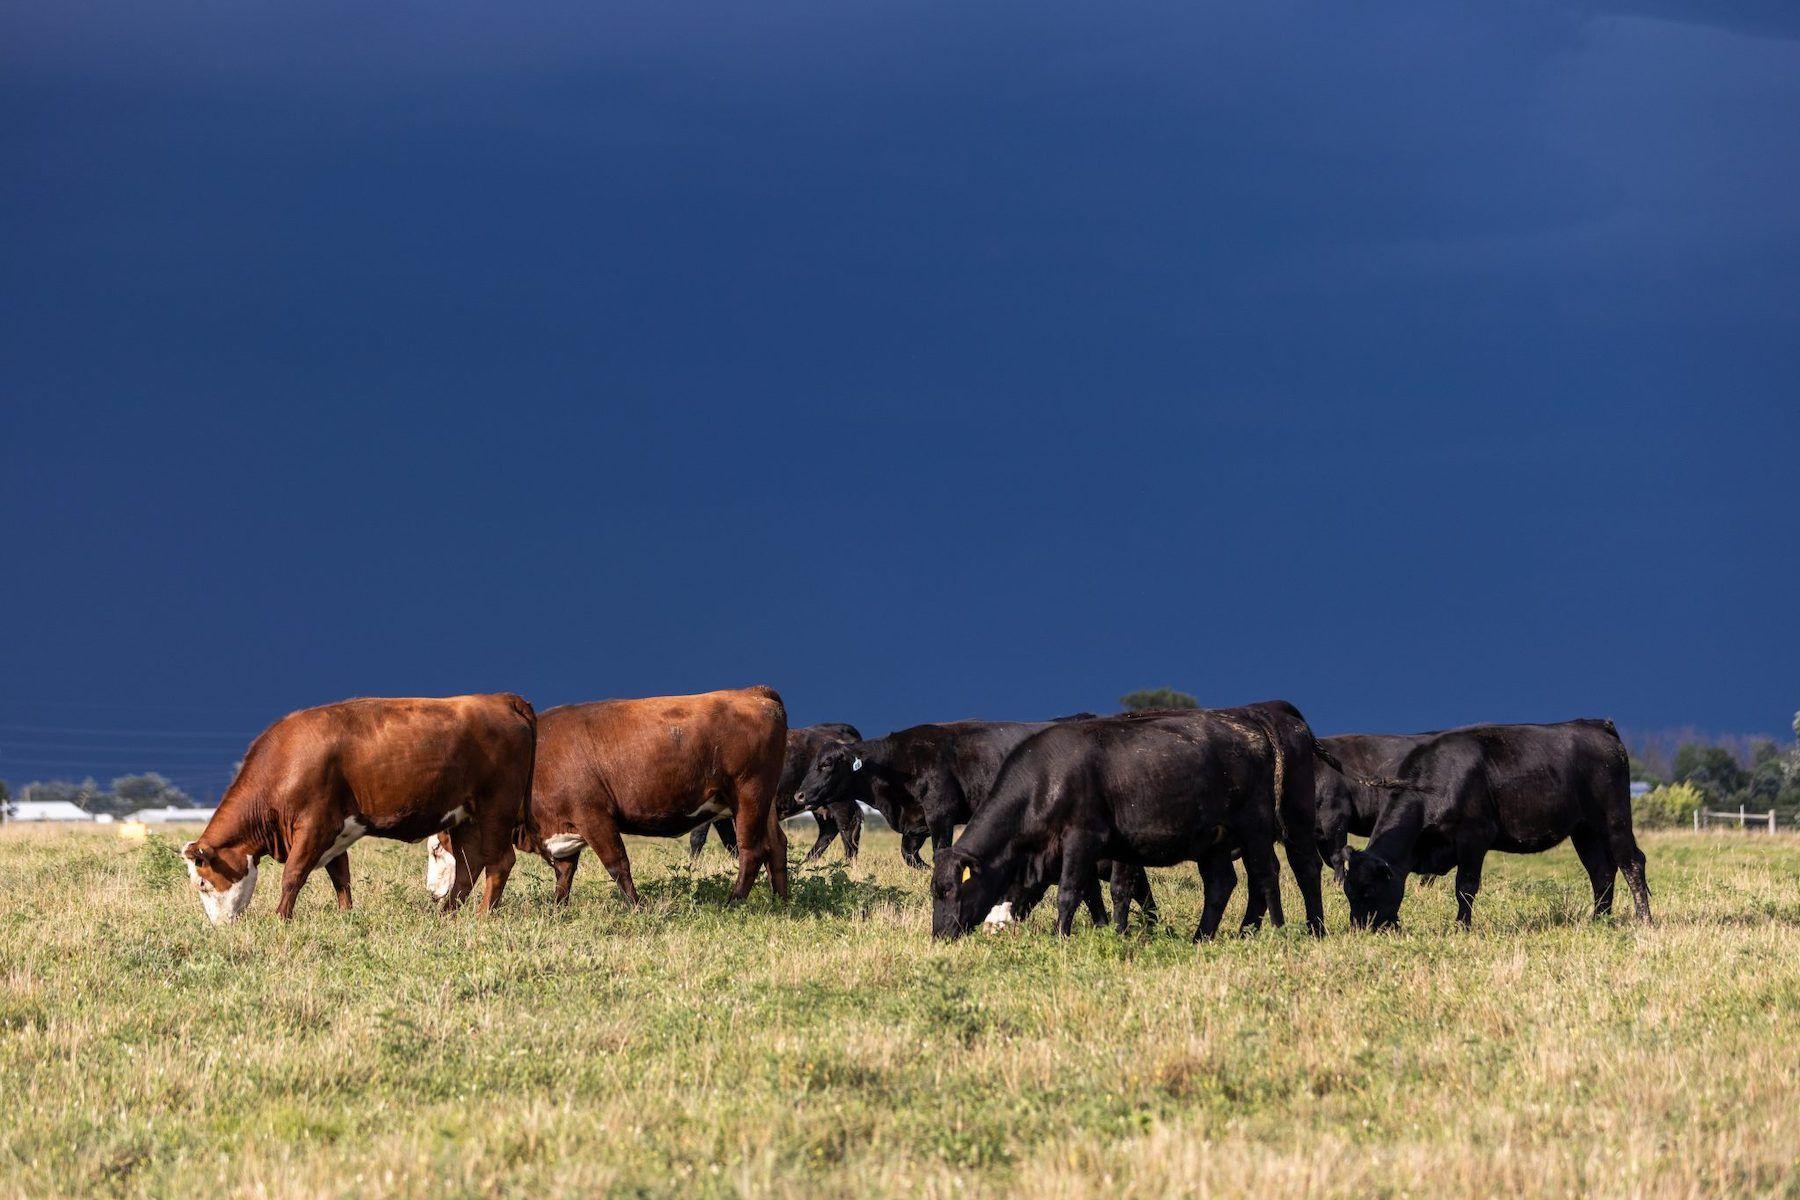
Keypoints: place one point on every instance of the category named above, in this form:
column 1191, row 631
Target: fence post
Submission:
column 1771, row 820
column 1696, row 820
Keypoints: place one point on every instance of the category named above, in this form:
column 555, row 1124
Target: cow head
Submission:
column 440, row 866
column 963, row 892
column 1374, row 887
column 839, row 773
column 225, row 879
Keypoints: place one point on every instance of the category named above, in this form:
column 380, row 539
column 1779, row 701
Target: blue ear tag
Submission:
column 856, row 764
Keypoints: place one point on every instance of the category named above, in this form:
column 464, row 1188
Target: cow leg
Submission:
column 1078, row 860
column 828, row 831
column 1596, row 857
column 308, row 847
column 756, row 822
column 697, row 843
column 778, row 858
column 481, row 844
column 1140, row 891
column 1096, row 906
column 1218, row 879
column 1264, row 877
column 1303, row 861
column 910, row 841
column 1122, row 886
column 338, row 871
column 849, row 818
column 1256, row 906
column 602, row 837
column 565, row 876
column 1468, row 881
column 727, row 832
column 942, row 834
column 1625, row 852
column 498, row 872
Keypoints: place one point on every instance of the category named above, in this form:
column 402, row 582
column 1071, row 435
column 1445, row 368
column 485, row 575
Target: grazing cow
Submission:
column 1298, row 757
column 661, row 767
column 1349, row 796
column 803, row 746
column 926, row 779
column 1519, row 789
column 317, row 780
column 1151, row 789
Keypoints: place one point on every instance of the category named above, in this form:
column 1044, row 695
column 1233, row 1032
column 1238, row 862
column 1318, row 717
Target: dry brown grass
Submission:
column 832, row 1049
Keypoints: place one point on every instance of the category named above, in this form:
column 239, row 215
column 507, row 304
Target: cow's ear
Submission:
column 197, row 854
column 1383, row 868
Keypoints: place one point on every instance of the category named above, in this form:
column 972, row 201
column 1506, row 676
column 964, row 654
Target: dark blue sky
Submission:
column 1421, row 363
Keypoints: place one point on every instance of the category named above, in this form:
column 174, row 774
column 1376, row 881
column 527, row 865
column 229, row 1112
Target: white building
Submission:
column 172, row 816
column 48, row 810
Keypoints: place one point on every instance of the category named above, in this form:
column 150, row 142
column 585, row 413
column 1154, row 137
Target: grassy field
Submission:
column 830, row 1048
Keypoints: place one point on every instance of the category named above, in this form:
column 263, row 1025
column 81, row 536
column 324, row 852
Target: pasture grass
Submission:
column 830, row 1048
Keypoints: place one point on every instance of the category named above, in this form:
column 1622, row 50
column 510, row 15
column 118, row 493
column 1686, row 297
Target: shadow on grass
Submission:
column 828, row 891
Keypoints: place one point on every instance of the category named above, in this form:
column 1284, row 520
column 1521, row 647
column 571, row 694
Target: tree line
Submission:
column 124, row 795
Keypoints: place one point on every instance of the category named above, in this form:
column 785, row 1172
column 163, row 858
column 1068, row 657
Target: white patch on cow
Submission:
column 714, row 807
column 347, row 837
column 456, row 816
column 1000, row 914
column 563, row 845
column 226, row 906
column 440, row 866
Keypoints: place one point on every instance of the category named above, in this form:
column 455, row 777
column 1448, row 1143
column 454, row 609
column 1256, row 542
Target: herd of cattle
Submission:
column 1068, row 802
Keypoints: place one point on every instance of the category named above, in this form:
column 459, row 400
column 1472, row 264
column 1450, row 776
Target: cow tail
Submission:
column 1329, row 759
column 1267, row 727
column 524, row 836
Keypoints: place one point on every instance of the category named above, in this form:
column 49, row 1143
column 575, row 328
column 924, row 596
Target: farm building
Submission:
column 172, row 816
column 48, row 810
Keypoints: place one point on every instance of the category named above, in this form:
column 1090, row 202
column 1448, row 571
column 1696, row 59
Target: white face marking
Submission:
column 456, row 816
column 226, row 906
column 348, row 836
column 1000, row 914
column 440, row 866
column 563, row 845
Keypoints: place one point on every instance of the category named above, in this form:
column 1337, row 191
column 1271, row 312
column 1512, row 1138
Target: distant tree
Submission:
column 1793, row 762
column 1162, row 697
column 1645, row 773
column 1712, row 769
column 149, row 790
column 1766, row 783
column 5, row 799
column 50, row 791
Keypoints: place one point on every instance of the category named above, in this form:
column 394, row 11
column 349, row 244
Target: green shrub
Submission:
column 1670, row 804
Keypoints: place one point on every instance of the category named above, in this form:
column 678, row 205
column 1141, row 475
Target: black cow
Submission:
column 1148, row 789
column 1348, row 801
column 1520, row 789
column 845, row 817
column 924, row 780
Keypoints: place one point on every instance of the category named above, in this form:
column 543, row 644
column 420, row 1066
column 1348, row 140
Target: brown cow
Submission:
column 317, row 780
column 662, row 767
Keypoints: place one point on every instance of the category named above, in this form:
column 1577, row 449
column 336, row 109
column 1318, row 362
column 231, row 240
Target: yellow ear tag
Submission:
column 965, row 875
